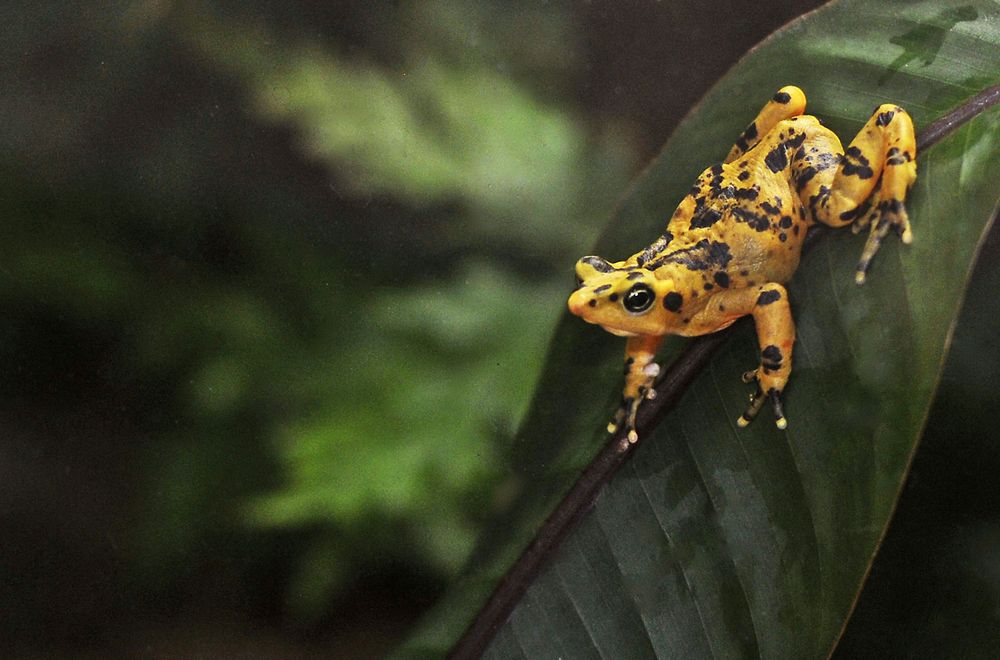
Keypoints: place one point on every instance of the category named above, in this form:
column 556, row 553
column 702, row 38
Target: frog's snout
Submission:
column 578, row 300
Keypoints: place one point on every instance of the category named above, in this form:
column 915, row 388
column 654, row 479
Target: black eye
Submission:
column 638, row 299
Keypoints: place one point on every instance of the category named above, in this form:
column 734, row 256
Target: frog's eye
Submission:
column 638, row 299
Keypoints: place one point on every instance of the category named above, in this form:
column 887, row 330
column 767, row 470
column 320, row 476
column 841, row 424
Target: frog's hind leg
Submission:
column 768, row 304
column 869, row 188
column 789, row 101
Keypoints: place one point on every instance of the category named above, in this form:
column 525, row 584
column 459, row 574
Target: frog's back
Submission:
column 759, row 205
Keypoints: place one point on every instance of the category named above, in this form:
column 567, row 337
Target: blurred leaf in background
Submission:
column 417, row 376
column 315, row 269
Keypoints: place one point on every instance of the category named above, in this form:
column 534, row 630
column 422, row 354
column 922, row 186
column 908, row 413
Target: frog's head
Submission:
column 625, row 301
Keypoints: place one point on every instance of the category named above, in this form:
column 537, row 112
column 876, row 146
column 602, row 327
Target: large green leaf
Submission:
column 714, row 541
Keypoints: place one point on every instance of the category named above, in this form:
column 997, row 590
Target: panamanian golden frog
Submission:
column 736, row 238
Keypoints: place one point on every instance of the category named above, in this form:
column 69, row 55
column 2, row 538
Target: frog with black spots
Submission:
column 736, row 238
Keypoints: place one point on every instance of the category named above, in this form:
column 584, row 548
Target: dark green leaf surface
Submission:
column 716, row 541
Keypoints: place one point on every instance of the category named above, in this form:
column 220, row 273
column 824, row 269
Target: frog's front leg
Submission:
column 640, row 373
column 768, row 304
column 869, row 188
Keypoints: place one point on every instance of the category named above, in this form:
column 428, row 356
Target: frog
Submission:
column 736, row 239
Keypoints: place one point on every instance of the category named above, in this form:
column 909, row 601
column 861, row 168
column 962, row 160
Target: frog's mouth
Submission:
column 619, row 333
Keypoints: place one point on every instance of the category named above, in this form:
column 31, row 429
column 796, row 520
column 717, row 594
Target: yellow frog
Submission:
column 736, row 237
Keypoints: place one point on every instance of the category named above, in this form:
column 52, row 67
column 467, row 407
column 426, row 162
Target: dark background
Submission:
column 276, row 281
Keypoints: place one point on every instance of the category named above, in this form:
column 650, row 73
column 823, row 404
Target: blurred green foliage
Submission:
column 316, row 272
column 276, row 279
column 438, row 372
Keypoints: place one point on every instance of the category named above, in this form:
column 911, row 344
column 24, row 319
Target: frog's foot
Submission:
column 637, row 390
column 875, row 173
column 767, row 389
column 626, row 414
column 886, row 215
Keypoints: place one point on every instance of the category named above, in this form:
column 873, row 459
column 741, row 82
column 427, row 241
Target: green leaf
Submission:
column 715, row 541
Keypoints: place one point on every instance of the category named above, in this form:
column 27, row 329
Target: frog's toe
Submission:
column 632, row 434
column 879, row 231
column 633, row 409
column 891, row 215
column 768, row 388
column 904, row 231
column 618, row 418
column 779, row 413
column 757, row 400
column 756, row 403
column 626, row 415
column 895, row 213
